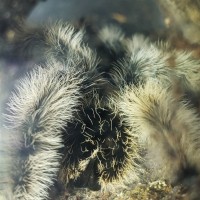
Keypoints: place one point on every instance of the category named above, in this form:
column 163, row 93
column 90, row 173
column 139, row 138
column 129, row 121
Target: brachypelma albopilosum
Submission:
column 66, row 128
column 77, row 122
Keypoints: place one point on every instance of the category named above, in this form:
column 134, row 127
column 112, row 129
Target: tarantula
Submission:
column 79, row 122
